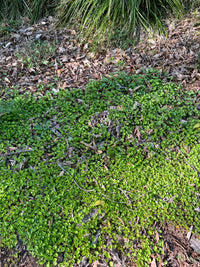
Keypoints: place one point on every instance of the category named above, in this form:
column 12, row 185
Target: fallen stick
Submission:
column 15, row 153
column 88, row 145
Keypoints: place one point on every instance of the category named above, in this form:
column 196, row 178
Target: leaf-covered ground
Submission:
column 105, row 174
column 37, row 57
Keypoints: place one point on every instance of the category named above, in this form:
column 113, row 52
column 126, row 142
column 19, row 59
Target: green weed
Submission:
column 8, row 27
column 37, row 53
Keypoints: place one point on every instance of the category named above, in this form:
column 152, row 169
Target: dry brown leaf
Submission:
column 137, row 132
column 105, row 167
column 189, row 234
column 195, row 244
column 61, row 173
column 157, row 237
column 121, row 221
column 153, row 263
column 12, row 148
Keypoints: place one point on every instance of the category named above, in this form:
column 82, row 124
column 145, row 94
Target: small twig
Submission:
column 113, row 200
column 126, row 196
column 143, row 194
column 92, row 147
column 86, row 190
column 116, row 255
column 136, row 88
column 184, row 250
column 108, row 197
column 60, row 206
column 15, row 153
column 186, row 161
column 88, row 145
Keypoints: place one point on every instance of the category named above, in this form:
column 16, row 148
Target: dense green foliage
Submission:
column 109, row 161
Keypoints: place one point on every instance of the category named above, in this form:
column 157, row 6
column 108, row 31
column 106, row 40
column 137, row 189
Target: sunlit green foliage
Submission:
column 143, row 169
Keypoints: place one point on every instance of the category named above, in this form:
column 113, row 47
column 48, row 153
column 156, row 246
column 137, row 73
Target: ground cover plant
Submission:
column 37, row 54
column 89, row 172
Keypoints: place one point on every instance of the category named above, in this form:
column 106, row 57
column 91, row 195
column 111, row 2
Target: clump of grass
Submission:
column 109, row 161
column 103, row 19
column 12, row 10
column 117, row 22
column 35, row 10
column 42, row 8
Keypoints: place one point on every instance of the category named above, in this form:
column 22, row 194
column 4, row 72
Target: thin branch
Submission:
column 143, row 194
column 86, row 190
column 112, row 200
column 88, row 145
column 126, row 196
column 136, row 88
column 15, row 153
column 186, row 160
column 108, row 197
column 184, row 250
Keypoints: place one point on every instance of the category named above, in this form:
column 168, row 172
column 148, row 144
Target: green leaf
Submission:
column 99, row 203
column 196, row 126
